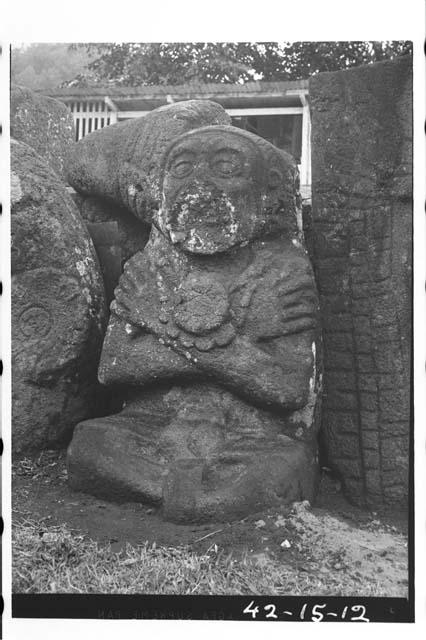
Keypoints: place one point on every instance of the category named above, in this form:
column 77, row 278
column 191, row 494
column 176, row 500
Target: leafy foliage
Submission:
column 135, row 64
column 46, row 66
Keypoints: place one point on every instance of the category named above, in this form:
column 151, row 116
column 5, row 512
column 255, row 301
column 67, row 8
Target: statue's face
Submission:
column 211, row 191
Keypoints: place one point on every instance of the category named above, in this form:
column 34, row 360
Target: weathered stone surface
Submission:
column 44, row 124
column 214, row 328
column 362, row 236
column 119, row 167
column 58, row 308
column 116, row 234
column 122, row 162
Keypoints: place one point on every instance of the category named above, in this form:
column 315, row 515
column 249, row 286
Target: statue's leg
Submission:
column 113, row 462
column 200, row 452
column 126, row 456
column 197, row 431
column 116, row 457
column 255, row 467
column 234, row 486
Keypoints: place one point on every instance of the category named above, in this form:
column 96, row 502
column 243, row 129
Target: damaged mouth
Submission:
column 203, row 221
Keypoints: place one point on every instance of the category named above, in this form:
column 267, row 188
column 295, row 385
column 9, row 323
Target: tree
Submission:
column 47, row 66
column 135, row 64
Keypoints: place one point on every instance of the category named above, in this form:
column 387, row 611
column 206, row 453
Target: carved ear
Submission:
column 137, row 191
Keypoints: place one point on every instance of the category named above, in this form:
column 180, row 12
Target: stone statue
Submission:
column 214, row 331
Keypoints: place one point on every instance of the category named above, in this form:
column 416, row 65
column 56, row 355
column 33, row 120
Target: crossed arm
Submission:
column 267, row 357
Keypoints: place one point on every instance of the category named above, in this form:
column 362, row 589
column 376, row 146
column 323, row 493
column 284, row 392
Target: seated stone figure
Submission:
column 213, row 332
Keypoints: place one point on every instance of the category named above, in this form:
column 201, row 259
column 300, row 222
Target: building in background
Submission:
column 277, row 111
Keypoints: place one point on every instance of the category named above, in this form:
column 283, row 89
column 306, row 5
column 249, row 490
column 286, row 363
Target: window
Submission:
column 284, row 131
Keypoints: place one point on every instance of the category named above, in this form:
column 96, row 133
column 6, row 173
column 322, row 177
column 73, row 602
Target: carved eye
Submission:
column 182, row 165
column 227, row 164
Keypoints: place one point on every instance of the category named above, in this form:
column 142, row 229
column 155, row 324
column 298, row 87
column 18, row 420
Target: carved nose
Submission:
column 202, row 190
column 205, row 181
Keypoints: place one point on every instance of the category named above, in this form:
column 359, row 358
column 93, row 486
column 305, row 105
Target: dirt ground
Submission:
column 334, row 536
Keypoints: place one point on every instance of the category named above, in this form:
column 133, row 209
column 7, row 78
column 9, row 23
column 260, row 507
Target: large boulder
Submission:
column 43, row 123
column 122, row 162
column 362, row 237
column 58, row 307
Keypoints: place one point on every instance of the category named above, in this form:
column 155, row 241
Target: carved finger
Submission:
column 289, row 288
column 295, row 299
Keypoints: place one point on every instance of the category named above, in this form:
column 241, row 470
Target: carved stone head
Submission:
column 222, row 186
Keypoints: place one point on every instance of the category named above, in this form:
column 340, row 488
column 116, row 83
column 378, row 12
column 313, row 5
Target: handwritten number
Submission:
column 249, row 609
column 271, row 613
column 356, row 608
column 317, row 616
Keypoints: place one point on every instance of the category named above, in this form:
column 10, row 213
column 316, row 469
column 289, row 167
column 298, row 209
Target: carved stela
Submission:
column 214, row 335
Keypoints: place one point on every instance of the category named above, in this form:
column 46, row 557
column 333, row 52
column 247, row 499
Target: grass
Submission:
column 325, row 555
column 54, row 559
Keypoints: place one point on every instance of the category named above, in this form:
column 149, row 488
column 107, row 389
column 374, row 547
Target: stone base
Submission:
column 196, row 472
